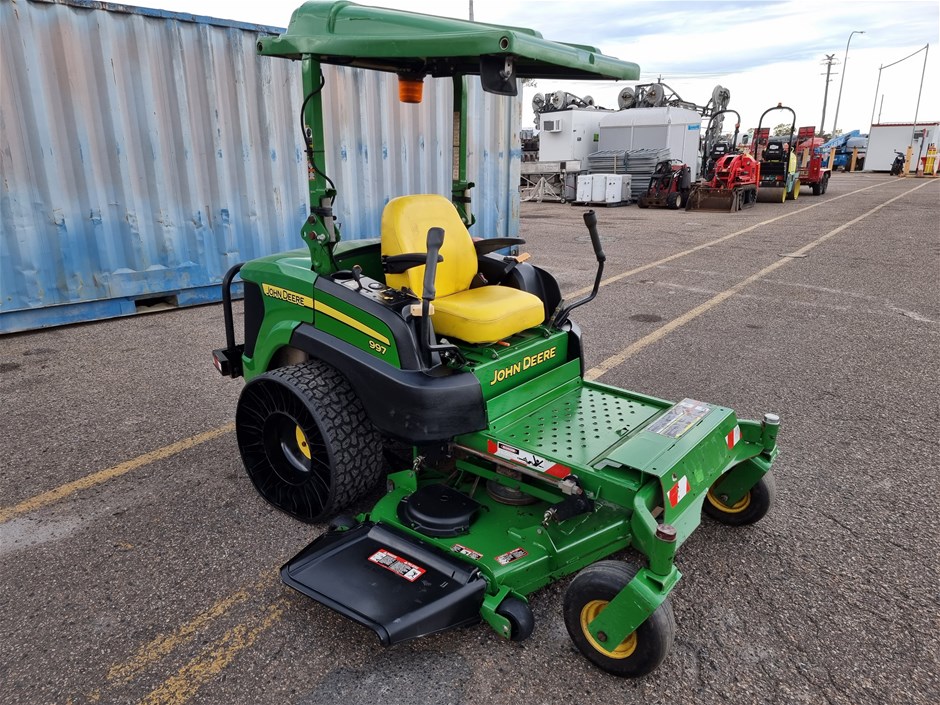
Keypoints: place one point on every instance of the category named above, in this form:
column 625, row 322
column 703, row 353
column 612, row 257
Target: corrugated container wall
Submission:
column 143, row 153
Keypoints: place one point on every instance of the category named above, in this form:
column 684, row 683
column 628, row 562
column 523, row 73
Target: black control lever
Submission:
column 428, row 294
column 435, row 241
column 562, row 312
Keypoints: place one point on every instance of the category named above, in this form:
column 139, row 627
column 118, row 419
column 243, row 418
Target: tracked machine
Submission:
column 521, row 471
column 669, row 186
column 729, row 179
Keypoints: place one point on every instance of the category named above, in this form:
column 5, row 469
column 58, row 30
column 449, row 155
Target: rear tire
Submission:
column 643, row 650
column 672, row 201
column 306, row 441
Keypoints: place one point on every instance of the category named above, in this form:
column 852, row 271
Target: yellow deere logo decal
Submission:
column 523, row 364
column 291, row 297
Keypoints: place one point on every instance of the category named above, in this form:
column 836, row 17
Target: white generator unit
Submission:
column 569, row 134
column 609, row 189
column 884, row 139
column 677, row 129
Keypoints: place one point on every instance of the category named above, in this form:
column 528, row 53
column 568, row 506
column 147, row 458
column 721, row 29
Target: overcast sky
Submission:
column 765, row 52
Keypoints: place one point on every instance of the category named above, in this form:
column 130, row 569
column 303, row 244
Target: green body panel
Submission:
column 500, row 531
column 505, row 368
column 396, row 41
column 290, row 271
column 368, row 340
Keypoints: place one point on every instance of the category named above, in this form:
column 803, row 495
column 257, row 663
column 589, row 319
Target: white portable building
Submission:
column 884, row 139
column 570, row 134
column 654, row 128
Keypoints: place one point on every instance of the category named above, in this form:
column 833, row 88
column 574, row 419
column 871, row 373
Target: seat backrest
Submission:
column 405, row 224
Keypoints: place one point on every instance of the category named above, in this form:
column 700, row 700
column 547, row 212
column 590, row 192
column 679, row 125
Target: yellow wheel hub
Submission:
column 302, row 442
column 737, row 508
column 624, row 649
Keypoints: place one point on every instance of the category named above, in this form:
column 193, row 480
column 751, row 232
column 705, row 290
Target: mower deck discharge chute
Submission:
column 522, row 472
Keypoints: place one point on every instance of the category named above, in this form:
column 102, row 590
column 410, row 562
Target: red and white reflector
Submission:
column 734, row 436
column 678, row 491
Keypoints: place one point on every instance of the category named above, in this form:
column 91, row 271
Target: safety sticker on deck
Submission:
column 514, row 555
column 405, row 569
column 678, row 491
column 734, row 436
column 469, row 552
column 680, row 418
column 531, row 460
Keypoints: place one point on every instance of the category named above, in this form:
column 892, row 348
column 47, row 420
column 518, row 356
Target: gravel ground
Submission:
column 159, row 584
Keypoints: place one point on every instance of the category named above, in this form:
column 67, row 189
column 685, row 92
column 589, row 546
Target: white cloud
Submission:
column 764, row 52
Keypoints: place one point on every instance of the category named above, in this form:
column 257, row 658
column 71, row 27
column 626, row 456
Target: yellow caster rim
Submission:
column 736, row 508
column 589, row 612
column 302, row 442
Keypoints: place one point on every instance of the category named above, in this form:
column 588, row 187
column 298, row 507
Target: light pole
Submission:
column 842, row 82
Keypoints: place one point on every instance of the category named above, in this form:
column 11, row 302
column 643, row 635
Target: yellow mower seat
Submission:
column 482, row 315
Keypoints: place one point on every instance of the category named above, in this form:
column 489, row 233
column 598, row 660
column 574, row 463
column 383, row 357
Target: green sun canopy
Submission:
column 376, row 38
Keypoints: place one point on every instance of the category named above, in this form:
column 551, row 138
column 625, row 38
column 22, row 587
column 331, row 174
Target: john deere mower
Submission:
column 779, row 168
column 729, row 179
column 521, row 472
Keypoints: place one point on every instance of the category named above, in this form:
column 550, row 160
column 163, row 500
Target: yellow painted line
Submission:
column 165, row 643
column 663, row 331
column 84, row 483
column 349, row 321
column 717, row 241
column 185, row 683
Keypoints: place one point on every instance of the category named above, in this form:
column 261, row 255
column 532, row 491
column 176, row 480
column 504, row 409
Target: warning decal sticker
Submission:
column 469, row 552
column 680, row 418
column 513, row 555
column 531, row 460
column 734, row 437
column 678, row 491
column 388, row 560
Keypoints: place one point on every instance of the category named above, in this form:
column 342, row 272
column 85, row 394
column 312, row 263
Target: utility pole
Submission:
column 828, row 61
column 471, row 10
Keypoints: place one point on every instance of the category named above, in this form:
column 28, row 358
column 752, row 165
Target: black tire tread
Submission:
column 603, row 580
column 355, row 445
column 520, row 617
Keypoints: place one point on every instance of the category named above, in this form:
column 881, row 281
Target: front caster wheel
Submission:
column 750, row 509
column 519, row 614
column 306, row 441
column 643, row 650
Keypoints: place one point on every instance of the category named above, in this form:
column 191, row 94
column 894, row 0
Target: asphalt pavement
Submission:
column 137, row 563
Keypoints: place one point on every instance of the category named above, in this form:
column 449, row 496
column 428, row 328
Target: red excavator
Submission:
column 729, row 178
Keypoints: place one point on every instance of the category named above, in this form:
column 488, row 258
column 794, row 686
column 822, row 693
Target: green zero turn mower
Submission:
column 522, row 471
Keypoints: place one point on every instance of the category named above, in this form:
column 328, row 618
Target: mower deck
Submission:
column 574, row 473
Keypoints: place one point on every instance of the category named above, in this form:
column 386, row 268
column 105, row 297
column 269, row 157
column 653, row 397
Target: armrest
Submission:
column 492, row 244
column 399, row 264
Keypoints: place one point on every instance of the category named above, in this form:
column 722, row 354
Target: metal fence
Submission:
column 142, row 153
